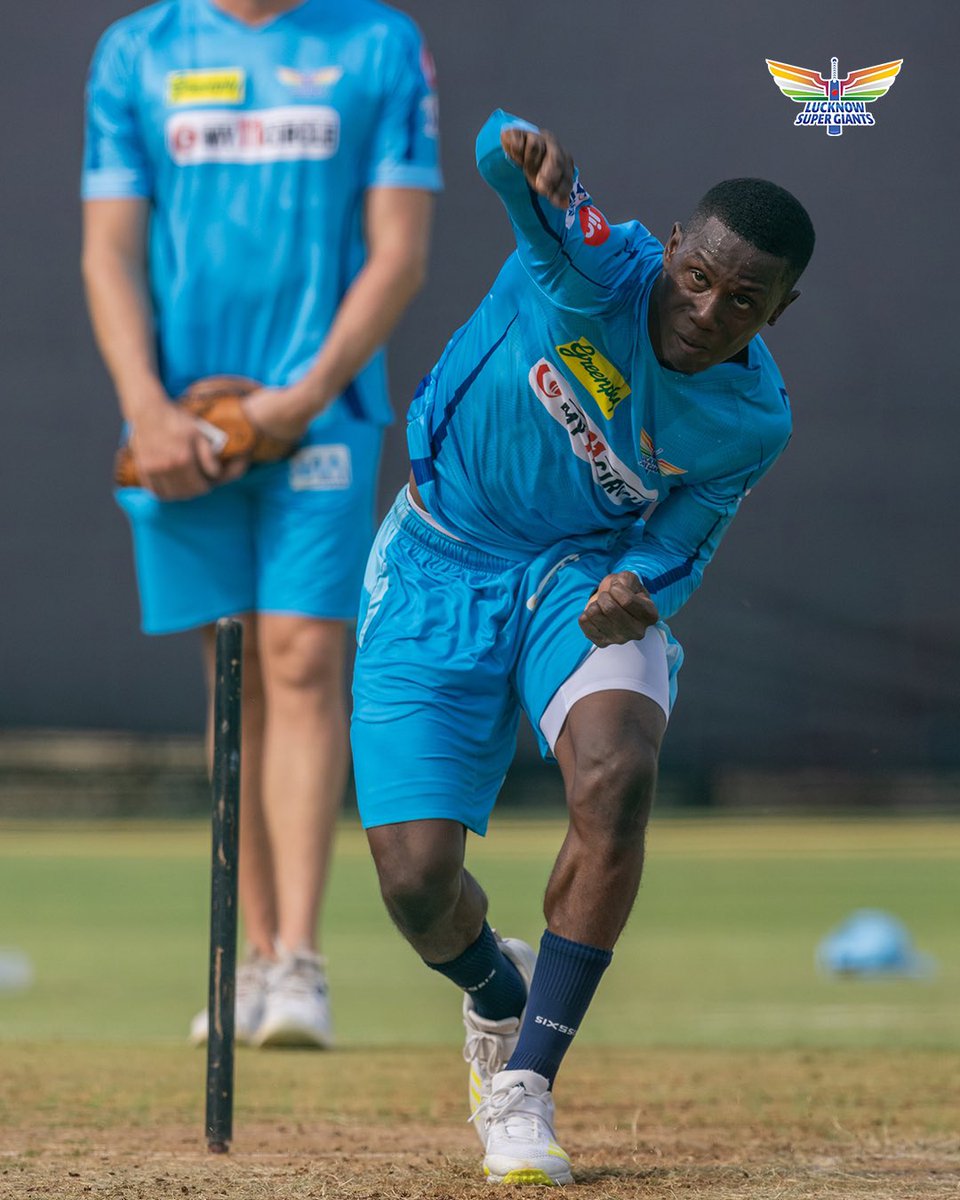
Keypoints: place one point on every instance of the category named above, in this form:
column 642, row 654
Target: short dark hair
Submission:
column 763, row 214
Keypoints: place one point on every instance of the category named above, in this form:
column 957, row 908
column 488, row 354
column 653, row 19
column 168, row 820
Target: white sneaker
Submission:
column 297, row 1006
column 521, row 1146
column 489, row 1044
column 249, row 998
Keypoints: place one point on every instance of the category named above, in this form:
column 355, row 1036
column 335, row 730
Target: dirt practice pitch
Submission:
column 716, row 1063
column 101, row 1122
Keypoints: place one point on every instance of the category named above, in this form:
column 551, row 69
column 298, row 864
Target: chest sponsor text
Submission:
column 224, row 85
column 588, row 442
column 282, row 134
column 597, row 374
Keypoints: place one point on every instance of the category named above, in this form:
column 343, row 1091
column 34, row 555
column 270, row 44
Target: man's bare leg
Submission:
column 435, row 903
column 607, row 752
column 305, row 760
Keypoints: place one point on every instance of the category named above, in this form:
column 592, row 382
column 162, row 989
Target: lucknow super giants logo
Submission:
column 834, row 102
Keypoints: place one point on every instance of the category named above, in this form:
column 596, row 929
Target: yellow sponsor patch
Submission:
column 597, row 374
column 226, row 85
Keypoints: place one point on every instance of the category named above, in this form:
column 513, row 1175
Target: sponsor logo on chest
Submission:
column 222, row 85
column 597, row 374
column 587, row 441
column 303, row 131
column 651, row 461
column 309, row 83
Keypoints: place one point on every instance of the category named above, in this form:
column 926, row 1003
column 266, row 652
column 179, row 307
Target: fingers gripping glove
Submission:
column 215, row 404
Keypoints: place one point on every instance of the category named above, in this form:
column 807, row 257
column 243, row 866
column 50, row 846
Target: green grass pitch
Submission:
column 719, row 951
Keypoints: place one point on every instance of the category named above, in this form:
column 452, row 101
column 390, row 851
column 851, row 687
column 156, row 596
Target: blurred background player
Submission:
column 257, row 185
column 577, row 454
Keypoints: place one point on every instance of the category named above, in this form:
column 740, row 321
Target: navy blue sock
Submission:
column 489, row 976
column 563, row 984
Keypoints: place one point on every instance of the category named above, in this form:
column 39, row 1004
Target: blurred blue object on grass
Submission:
column 16, row 970
column 873, row 943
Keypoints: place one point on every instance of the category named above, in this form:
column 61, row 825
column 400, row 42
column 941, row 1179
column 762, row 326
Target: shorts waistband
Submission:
column 413, row 525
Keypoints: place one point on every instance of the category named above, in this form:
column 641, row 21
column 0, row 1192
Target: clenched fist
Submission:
column 619, row 611
column 547, row 166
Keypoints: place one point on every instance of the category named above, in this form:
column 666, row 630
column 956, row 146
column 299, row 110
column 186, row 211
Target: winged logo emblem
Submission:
column 309, row 83
column 835, row 101
column 651, row 460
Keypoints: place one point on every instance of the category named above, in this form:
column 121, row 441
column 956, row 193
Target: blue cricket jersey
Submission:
column 254, row 147
column 548, row 414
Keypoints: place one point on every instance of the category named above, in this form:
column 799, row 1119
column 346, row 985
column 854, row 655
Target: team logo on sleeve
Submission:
column 834, row 102
column 310, row 83
column 578, row 195
column 429, row 104
column 428, row 68
column 587, row 441
column 597, row 374
column 225, row 85
column 594, row 225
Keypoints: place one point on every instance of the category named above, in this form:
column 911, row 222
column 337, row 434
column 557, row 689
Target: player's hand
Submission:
column 619, row 611
column 547, row 166
column 174, row 459
column 281, row 412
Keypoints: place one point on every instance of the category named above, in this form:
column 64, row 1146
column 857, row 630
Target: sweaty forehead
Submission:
column 727, row 251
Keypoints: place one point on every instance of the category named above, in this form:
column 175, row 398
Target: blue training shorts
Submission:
column 289, row 537
column 452, row 642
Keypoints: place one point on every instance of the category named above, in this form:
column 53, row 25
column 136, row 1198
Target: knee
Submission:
column 419, row 889
column 299, row 654
column 613, row 790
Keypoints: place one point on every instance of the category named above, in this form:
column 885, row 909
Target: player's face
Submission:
column 715, row 293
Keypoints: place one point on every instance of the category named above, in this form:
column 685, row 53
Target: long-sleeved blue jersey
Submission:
column 549, row 415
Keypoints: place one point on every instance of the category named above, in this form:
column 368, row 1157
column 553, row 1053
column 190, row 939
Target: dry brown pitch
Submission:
column 114, row 1123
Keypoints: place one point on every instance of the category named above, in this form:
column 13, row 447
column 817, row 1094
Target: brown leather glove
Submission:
column 215, row 403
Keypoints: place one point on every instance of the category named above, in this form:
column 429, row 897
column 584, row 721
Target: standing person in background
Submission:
column 257, row 186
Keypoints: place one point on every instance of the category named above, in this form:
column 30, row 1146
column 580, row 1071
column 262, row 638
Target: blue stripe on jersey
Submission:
column 351, row 398
column 441, row 430
column 659, row 582
column 422, row 469
column 413, row 127
column 548, row 228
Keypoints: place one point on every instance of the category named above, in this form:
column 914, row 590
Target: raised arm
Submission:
column 564, row 241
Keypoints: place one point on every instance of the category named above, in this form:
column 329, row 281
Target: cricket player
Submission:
column 578, row 453
column 258, row 180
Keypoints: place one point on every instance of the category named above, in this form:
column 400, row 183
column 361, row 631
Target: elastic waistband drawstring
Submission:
column 534, row 600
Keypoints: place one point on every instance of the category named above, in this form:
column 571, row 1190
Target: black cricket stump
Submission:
column 223, row 892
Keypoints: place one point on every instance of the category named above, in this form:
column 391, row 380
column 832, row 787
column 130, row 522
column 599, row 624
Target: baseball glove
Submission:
column 214, row 403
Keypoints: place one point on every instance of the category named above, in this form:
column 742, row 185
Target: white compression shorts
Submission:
column 633, row 667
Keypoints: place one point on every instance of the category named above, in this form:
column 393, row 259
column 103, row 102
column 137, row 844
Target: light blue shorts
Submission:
column 289, row 537
column 452, row 643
